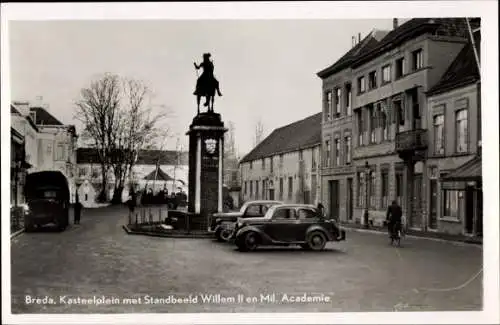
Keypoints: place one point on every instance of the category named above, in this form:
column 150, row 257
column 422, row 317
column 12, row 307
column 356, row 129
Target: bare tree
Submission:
column 97, row 109
column 259, row 132
column 137, row 129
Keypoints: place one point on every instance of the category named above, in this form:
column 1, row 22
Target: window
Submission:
column 400, row 115
column 372, row 80
column 453, row 203
column 60, row 152
column 400, row 68
column 301, row 154
column 384, row 193
column 281, row 188
column 256, row 189
column 245, row 187
column 338, row 95
column 373, row 190
column 361, row 85
column 306, row 214
column 347, row 143
column 313, row 157
column 438, row 134
column 382, row 117
column 360, row 189
column 284, row 214
column 82, row 172
column 95, row 172
column 271, row 164
column 263, row 162
column 251, row 164
column 461, row 130
column 386, row 74
column 373, row 124
column 328, row 105
column 418, row 62
column 251, row 189
column 254, row 211
column 337, row 152
column 290, row 188
column 360, row 128
column 281, row 160
column 348, row 104
column 327, row 153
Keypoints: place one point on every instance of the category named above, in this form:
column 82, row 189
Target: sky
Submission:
column 266, row 68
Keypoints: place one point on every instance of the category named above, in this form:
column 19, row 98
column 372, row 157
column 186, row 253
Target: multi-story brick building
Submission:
column 389, row 127
column 285, row 165
column 337, row 170
column 454, row 182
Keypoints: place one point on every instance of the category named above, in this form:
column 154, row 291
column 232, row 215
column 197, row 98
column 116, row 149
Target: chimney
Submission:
column 359, row 37
column 394, row 23
column 353, row 39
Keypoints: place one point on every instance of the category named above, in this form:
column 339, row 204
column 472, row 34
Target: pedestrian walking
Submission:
column 78, row 209
column 394, row 215
column 132, row 202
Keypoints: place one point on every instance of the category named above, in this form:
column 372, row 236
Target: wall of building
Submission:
column 290, row 168
column 448, row 103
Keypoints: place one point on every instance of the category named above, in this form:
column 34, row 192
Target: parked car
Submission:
column 287, row 224
column 47, row 196
column 222, row 224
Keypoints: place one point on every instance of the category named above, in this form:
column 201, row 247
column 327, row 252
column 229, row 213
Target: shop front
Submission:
column 462, row 199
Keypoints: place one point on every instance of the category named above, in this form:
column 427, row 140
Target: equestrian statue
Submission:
column 206, row 85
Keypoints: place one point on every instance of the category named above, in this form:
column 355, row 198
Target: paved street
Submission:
column 364, row 273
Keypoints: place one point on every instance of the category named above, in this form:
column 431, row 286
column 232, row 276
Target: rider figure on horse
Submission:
column 206, row 82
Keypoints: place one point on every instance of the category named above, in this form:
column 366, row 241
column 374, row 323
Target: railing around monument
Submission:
column 149, row 217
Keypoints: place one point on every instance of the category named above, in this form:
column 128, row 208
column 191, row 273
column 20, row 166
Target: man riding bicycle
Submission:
column 394, row 215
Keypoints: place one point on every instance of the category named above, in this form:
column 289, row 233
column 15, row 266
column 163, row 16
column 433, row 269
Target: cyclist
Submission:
column 394, row 215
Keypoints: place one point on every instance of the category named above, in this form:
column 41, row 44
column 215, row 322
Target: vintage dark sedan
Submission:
column 222, row 224
column 47, row 197
column 287, row 224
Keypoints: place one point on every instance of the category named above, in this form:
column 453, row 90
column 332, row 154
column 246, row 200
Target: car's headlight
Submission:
column 26, row 209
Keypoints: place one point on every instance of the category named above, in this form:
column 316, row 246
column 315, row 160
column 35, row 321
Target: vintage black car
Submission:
column 47, row 196
column 287, row 224
column 222, row 224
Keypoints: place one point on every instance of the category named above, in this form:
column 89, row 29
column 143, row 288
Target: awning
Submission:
column 160, row 176
column 470, row 171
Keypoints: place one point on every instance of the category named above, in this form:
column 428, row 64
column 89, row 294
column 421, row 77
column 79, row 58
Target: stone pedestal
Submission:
column 206, row 155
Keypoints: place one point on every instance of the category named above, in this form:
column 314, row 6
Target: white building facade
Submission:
column 285, row 165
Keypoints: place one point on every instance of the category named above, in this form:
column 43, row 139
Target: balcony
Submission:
column 412, row 144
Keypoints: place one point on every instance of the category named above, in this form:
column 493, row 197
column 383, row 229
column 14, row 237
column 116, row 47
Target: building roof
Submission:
column 368, row 43
column 146, row 157
column 470, row 171
column 158, row 175
column 43, row 117
column 413, row 28
column 463, row 71
column 301, row 134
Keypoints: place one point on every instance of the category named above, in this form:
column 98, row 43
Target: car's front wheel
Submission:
column 248, row 242
column 316, row 241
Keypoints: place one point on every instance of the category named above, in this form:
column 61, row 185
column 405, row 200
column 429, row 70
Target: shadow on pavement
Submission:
column 292, row 250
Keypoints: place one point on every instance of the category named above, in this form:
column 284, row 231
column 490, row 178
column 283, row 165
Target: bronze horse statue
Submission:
column 206, row 85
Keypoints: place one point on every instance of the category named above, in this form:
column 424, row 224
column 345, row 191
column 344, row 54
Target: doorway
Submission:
column 271, row 194
column 416, row 215
column 349, row 199
column 469, row 210
column 334, row 199
column 433, row 206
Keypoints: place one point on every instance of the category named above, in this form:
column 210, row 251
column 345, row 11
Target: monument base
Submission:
column 206, row 155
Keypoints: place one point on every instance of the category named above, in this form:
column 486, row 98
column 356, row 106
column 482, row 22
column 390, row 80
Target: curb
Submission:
column 450, row 241
column 166, row 235
column 16, row 233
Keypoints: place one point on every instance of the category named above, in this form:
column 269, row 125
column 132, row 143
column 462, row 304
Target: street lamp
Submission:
column 367, row 175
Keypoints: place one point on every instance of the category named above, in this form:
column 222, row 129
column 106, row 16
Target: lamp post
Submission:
column 367, row 175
